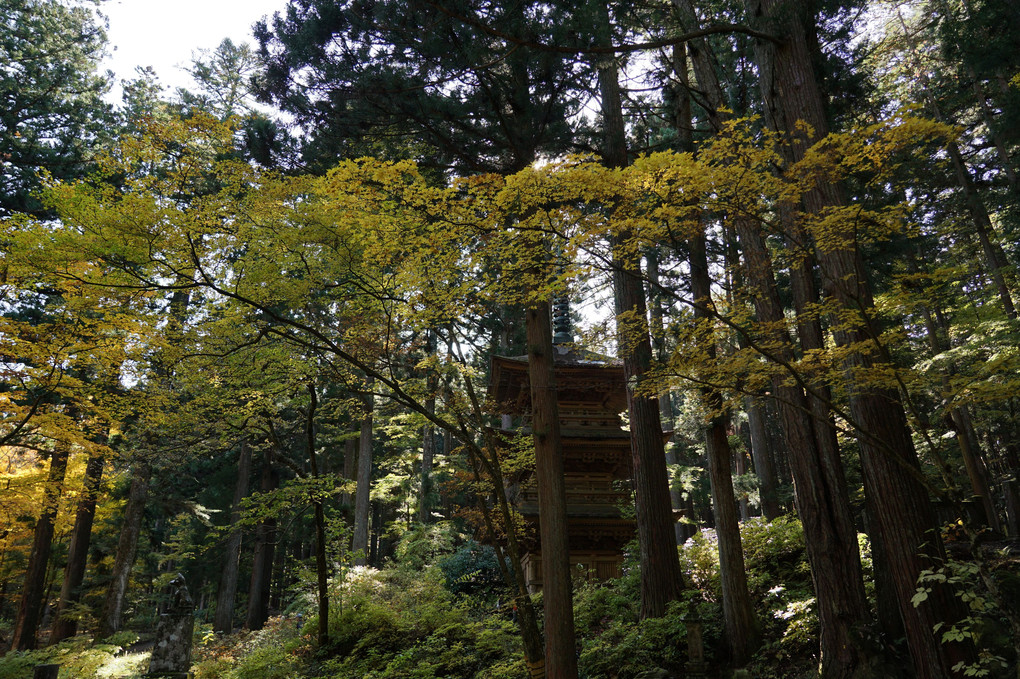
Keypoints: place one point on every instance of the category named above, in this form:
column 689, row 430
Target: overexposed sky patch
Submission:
column 164, row 33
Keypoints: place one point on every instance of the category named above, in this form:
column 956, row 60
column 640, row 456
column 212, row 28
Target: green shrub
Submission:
column 779, row 578
column 78, row 659
column 623, row 647
column 401, row 624
column 19, row 664
column 597, row 606
column 277, row 651
column 699, row 559
column 473, row 569
column 423, row 545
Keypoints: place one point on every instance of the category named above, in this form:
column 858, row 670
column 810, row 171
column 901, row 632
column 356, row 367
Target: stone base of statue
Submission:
column 48, row 671
column 695, row 667
column 696, row 670
column 171, row 655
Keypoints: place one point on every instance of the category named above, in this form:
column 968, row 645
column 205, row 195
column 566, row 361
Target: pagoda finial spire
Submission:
column 561, row 313
column 561, row 320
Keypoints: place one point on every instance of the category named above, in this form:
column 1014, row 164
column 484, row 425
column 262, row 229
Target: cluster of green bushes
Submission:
column 441, row 611
column 79, row 658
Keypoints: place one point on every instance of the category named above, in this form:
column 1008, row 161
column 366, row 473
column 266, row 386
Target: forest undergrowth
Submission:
column 444, row 613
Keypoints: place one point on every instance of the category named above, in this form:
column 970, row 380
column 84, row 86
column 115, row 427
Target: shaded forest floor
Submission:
column 440, row 611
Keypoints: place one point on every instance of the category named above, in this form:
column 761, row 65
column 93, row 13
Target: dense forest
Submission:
column 247, row 334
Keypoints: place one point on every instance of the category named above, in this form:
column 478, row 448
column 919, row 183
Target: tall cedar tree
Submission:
column 661, row 578
column 822, row 498
column 902, row 509
column 51, row 107
column 422, row 80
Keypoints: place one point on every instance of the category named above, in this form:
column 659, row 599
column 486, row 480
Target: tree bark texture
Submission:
column 127, row 548
column 223, row 621
column 350, row 471
column 761, row 456
column 78, row 551
column 26, row 624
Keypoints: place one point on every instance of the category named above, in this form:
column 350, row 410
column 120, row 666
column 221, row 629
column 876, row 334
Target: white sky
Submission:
column 164, row 33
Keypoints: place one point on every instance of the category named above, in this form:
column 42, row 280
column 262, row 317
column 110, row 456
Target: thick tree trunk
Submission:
column 350, row 472
column 77, row 554
column 259, row 586
column 560, row 659
column 661, row 578
column 223, row 622
column 26, row 624
column 823, row 502
column 889, row 462
column 887, row 610
column 127, row 548
column 362, row 493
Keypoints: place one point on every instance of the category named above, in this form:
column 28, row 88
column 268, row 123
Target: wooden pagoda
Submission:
column 591, row 394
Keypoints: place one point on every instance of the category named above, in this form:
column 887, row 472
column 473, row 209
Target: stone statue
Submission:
column 171, row 656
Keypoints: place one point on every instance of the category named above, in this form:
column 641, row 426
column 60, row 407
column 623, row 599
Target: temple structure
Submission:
column 591, row 394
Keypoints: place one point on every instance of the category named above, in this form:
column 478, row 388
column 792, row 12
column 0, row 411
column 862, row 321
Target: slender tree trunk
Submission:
column 127, row 548
column 26, row 624
column 321, row 570
column 362, row 506
column 995, row 258
column 560, row 659
column 223, row 622
column 1011, row 493
column 966, row 437
column 665, row 409
column 428, row 454
column 742, row 635
column 77, row 555
column 428, row 443
column 510, row 565
column 989, row 118
column 739, row 463
column 761, row 454
column 259, row 586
